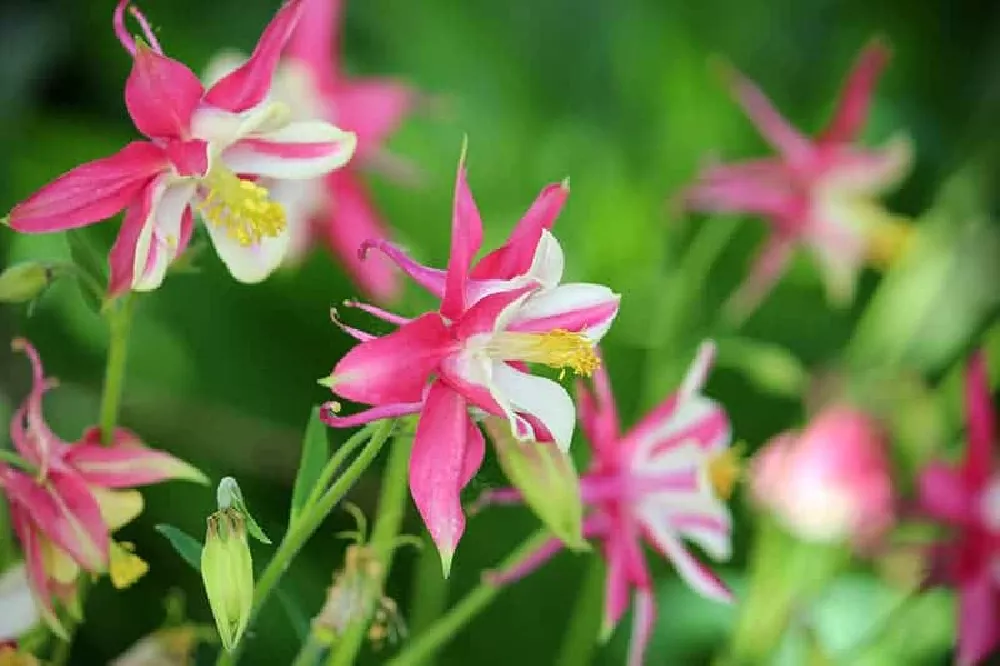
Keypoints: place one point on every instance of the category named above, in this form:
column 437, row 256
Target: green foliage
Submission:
column 315, row 452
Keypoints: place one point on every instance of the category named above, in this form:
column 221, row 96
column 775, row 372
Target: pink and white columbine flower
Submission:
column 967, row 499
column 336, row 208
column 819, row 193
column 66, row 499
column 207, row 151
column 662, row 482
column 471, row 353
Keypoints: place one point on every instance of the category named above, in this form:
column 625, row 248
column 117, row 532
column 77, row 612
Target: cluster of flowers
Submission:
column 259, row 155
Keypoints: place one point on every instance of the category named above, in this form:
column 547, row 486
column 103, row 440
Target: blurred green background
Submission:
column 618, row 96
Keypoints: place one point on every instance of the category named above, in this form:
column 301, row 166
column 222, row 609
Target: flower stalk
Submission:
column 120, row 325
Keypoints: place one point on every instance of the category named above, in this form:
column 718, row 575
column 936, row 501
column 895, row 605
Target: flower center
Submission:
column 724, row 471
column 243, row 208
column 557, row 348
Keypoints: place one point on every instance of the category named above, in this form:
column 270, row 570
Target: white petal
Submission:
column 542, row 398
column 547, row 264
column 687, row 413
column 699, row 577
column 158, row 243
column 566, row 300
column 301, row 200
column 18, row 612
column 298, row 150
column 222, row 63
column 658, row 511
column 222, row 128
column 249, row 263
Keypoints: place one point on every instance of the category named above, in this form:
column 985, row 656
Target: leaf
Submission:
column 186, row 545
column 89, row 262
column 229, row 496
column 315, row 451
column 298, row 619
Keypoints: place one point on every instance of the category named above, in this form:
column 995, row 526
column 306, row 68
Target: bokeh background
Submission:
column 620, row 97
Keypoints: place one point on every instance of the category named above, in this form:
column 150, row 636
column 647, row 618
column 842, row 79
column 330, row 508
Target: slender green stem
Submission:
column 335, row 462
column 120, row 323
column 12, row 458
column 312, row 517
column 391, row 509
column 430, row 593
column 311, row 652
column 582, row 631
column 424, row 646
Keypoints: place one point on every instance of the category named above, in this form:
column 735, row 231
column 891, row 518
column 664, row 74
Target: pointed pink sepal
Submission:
column 127, row 462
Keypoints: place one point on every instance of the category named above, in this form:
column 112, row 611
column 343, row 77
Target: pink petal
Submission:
column 248, row 85
column 161, row 95
column 945, row 496
column 701, row 579
column 189, row 158
column 127, row 42
column 431, row 279
column 347, row 225
column 642, row 626
column 979, row 619
column 127, row 463
column 91, row 192
column 466, row 238
column 515, row 256
column 329, row 417
column 980, row 420
column 772, row 126
column 767, row 269
column 475, row 452
column 856, row 95
column 436, row 467
column 34, row 562
column 762, row 187
column 394, row 368
column 29, row 432
column 616, row 587
column 527, row 565
column 121, row 259
column 315, row 39
column 372, row 108
column 482, row 317
column 300, row 150
column 578, row 307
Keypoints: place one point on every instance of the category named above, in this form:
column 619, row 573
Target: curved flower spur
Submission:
column 206, row 151
column 507, row 311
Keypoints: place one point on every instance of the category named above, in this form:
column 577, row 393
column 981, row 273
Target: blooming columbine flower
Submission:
column 69, row 498
column 817, row 193
column 662, row 481
column 831, row 481
column 968, row 499
column 335, row 209
column 471, row 353
column 207, row 151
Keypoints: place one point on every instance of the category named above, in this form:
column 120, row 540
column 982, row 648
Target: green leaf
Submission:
column 89, row 262
column 186, row 545
column 296, row 617
column 315, row 451
column 229, row 496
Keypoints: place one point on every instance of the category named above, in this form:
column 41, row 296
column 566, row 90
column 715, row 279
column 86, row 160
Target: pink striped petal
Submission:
column 29, row 432
column 485, row 315
column 945, row 495
column 769, row 122
column 431, row 279
column 980, row 421
column 526, row 566
column 328, row 414
column 373, row 109
column 347, row 225
column 34, row 562
column 394, row 368
column 856, row 95
column 161, row 95
column 642, row 626
column 578, row 307
column 762, row 187
column 159, row 241
column 248, row 85
column 315, row 40
column 515, row 256
column 436, row 467
column 978, row 619
column 297, row 151
column 127, row 463
column 466, row 238
column 616, row 586
column 701, row 579
column 91, row 192
column 122, row 258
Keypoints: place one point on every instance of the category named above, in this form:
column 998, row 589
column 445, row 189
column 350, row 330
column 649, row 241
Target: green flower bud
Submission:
column 227, row 569
column 25, row 281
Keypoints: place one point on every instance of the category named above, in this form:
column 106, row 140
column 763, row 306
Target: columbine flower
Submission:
column 661, row 482
column 968, row 500
column 471, row 353
column 335, row 209
column 207, row 152
column 169, row 646
column 819, row 193
column 18, row 610
column 831, row 481
column 73, row 496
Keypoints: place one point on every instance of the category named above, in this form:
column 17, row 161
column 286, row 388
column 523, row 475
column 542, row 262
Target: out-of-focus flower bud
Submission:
column 227, row 569
column 170, row 646
column 25, row 281
column 830, row 482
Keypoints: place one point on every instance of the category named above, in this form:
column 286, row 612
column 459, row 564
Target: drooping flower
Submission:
column 18, row 610
column 507, row 311
column 67, row 499
column 967, row 499
column 334, row 209
column 207, row 151
column 662, row 482
column 830, row 482
column 169, row 646
column 817, row 193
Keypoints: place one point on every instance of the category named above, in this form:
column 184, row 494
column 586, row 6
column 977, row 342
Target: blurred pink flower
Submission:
column 207, row 151
column 507, row 311
column 335, row 209
column 967, row 498
column 64, row 511
column 662, row 482
column 818, row 193
column 829, row 482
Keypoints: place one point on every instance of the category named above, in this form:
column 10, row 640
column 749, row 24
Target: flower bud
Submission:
column 25, row 281
column 831, row 481
column 227, row 569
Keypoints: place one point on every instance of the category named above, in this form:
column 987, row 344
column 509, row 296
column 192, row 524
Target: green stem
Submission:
column 17, row 461
column 312, row 517
column 335, row 462
column 311, row 652
column 424, row 647
column 583, row 629
column 120, row 323
column 391, row 509
column 430, row 593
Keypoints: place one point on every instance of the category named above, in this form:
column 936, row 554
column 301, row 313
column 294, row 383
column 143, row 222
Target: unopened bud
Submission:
column 227, row 570
column 25, row 282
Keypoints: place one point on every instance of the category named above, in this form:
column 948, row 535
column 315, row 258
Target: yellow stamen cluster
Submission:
column 724, row 470
column 887, row 241
column 125, row 567
column 557, row 348
column 243, row 208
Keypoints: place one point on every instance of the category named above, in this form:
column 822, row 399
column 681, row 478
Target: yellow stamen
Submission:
column 557, row 348
column 724, row 470
column 125, row 566
column 243, row 208
column 888, row 240
column 9, row 656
